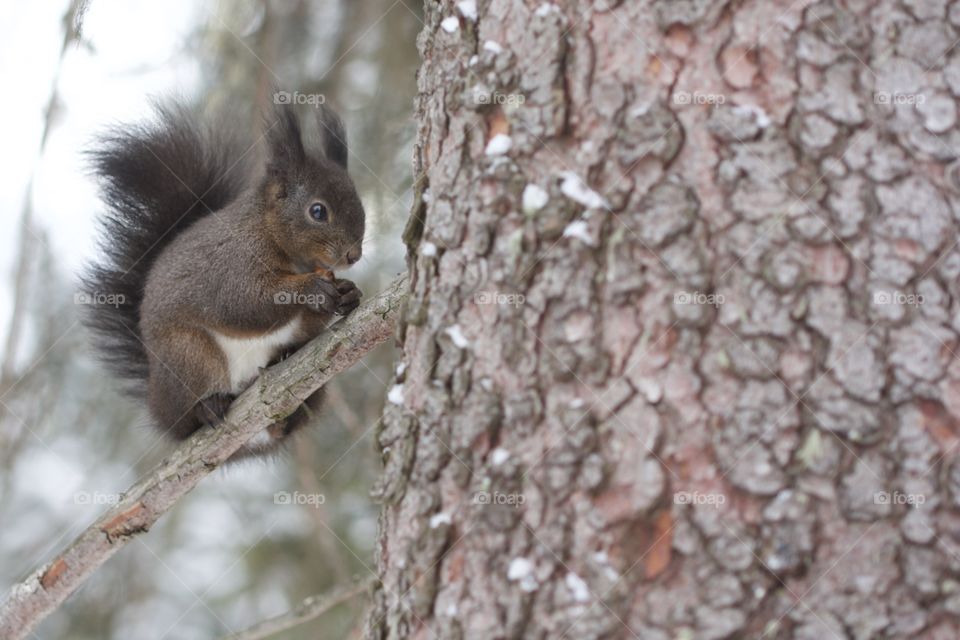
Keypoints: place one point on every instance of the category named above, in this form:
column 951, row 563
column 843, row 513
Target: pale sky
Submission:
column 109, row 81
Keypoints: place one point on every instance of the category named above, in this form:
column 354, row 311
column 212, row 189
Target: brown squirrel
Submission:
column 219, row 271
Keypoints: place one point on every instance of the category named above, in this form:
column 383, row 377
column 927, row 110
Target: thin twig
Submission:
column 310, row 608
column 273, row 396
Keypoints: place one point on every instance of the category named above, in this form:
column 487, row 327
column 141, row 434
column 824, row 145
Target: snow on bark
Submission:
column 712, row 297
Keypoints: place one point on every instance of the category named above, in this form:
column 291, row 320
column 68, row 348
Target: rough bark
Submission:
column 680, row 359
column 273, row 396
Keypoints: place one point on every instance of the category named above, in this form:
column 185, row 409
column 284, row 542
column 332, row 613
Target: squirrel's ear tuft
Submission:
column 333, row 135
column 284, row 141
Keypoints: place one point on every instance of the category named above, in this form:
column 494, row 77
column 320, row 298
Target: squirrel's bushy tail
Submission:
column 156, row 180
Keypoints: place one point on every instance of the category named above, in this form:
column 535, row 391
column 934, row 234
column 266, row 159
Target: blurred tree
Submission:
column 679, row 357
column 228, row 556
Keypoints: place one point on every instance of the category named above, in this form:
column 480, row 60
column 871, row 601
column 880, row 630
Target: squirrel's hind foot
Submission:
column 211, row 409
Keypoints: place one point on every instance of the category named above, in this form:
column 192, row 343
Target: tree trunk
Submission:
column 679, row 355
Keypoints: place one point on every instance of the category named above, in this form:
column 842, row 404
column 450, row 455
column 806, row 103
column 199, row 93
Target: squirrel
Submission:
column 218, row 271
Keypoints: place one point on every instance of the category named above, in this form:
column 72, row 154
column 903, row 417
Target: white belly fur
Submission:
column 245, row 356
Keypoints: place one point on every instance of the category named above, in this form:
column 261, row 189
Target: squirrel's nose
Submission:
column 353, row 256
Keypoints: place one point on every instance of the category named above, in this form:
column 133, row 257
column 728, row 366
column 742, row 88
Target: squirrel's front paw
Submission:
column 337, row 296
column 322, row 296
column 349, row 296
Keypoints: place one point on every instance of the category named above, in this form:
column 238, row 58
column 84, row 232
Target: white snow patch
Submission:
column 456, row 334
column 763, row 120
column 450, row 24
column 438, row 519
column 578, row 229
column 28, row 588
column 493, row 46
column 534, row 198
column 401, row 369
column 574, row 188
column 452, row 610
column 473, row 60
column 469, row 9
column 546, row 9
column 428, row 249
column 651, row 389
column 498, row 456
column 521, row 570
column 395, row 396
column 426, row 196
column 498, row 145
column 576, row 403
column 577, row 587
column 602, row 559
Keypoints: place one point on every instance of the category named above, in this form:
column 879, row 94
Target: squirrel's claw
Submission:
column 349, row 297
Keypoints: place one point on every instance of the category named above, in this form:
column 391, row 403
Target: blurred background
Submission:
column 234, row 551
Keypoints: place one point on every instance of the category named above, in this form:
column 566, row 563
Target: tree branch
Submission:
column 273, row 396
column 310, row 608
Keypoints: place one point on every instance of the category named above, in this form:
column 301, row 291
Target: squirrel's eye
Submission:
column 318, row 212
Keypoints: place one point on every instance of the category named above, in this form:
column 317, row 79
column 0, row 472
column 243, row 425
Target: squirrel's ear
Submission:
column 284, row 141
column 333, row 135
